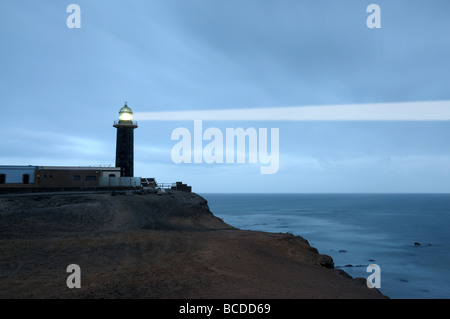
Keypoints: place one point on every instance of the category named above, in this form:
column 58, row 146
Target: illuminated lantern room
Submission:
column 125, row 114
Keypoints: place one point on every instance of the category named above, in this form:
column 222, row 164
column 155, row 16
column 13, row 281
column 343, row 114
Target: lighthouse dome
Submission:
column 125, row 114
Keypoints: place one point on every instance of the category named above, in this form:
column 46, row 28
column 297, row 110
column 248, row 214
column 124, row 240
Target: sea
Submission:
column 406, row 235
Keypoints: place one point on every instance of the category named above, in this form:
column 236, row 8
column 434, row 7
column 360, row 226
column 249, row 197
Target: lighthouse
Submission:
column 125, row 141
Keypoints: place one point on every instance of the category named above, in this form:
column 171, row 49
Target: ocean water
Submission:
column 358, row 230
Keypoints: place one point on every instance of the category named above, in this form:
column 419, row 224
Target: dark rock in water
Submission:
column 342, row 251
column 349, row 265
column 417, row 244
column 372, row 260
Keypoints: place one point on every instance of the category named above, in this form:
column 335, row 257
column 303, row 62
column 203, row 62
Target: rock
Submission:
column 326, row 261
column 343, row 273
column 417, row 244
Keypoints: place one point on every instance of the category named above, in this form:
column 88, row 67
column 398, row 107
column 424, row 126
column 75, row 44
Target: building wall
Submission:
column 67, row 177
column 111, row 172
column 119, row 181
column 17, row 175
column 63, row 177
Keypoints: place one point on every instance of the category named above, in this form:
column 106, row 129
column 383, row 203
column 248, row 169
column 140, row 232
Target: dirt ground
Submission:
column 154, row 246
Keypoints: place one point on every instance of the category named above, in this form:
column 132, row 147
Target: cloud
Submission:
column 53, row 148
column 61, row 89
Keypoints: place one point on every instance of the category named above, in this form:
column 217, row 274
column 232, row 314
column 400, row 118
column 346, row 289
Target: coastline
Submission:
column 155, row 246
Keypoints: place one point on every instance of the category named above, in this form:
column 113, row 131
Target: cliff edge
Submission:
column 154, row 246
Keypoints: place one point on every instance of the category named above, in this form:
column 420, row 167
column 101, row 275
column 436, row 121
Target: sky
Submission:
column 62, row 88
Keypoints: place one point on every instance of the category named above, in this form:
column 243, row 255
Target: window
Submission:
column 26, row 179
column 112, row 175
column 2, row 178
column 76, row 178
column 91, row 178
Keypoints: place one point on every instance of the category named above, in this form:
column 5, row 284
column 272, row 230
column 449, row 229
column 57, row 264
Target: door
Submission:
column 26, row 179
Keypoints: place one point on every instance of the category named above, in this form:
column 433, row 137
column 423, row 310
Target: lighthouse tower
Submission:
column 125, row 141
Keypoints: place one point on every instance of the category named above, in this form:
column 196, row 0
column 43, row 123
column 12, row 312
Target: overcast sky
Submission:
column 61, row 89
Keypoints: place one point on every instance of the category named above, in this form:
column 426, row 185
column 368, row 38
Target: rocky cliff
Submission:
column 154, row 246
